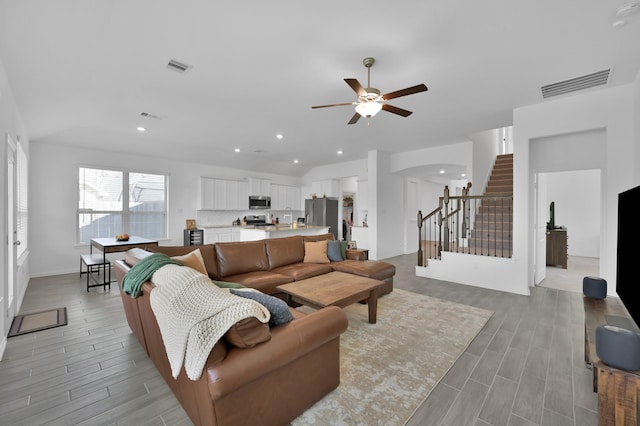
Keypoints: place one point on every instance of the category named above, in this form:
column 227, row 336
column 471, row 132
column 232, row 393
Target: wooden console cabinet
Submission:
column 557, row 247
column 618, row 390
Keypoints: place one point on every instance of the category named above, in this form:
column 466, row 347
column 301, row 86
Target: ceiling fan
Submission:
column 370, row 102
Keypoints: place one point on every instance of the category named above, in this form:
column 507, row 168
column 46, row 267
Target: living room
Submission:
column 54, row 161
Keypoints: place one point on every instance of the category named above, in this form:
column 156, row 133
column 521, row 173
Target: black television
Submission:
column 627, row 274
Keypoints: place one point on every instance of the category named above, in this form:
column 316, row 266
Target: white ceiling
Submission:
column 82, row 71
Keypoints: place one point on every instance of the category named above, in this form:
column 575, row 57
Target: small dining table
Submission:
column 112, row 245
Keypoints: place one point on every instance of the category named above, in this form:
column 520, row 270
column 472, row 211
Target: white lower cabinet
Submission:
column 221, row 235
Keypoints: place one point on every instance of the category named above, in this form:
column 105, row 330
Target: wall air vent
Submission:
column 149, row 115
column 573, row 85
column 178, row 66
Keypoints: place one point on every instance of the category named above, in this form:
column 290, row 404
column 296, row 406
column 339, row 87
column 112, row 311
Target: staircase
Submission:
column 492, row 232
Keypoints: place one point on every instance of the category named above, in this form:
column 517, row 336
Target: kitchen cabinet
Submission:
column 326, row 188
column 258, row 186
column 237, row 195
column 223, row 194
column 222, row 234
column 283, row 196
column 206, row 193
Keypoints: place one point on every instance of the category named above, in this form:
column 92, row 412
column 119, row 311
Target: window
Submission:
column 114, row 202
column 22, row 201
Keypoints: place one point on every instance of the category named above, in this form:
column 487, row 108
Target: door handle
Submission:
column 17, row 243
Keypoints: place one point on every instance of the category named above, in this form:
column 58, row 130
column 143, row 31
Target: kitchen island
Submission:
column 280, row 231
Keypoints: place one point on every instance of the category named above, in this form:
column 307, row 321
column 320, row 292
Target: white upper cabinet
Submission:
column 258, row 186
column 326, row 188
column 283, row 196
column 206, row 193
column 223, row 194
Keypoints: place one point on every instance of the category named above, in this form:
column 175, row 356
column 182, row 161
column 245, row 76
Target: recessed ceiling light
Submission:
column 340, row 152
column 441, row 172
column 296, row 161
column 464, row 175
column 141, row 129
column 237, row 150
column 279, row 136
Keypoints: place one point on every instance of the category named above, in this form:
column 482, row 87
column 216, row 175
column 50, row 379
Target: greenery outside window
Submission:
column 114, row 202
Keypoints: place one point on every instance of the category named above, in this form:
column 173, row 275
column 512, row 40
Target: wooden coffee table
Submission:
column 335, row 289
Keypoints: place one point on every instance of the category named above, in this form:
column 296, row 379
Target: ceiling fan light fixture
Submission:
column 368, row 109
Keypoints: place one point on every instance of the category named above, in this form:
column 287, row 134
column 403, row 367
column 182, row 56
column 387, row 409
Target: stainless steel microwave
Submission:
column 259, row 202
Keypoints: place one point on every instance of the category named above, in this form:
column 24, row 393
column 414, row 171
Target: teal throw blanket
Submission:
column 143, row 270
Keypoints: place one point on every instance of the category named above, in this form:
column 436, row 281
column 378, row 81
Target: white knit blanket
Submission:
column 193, row 314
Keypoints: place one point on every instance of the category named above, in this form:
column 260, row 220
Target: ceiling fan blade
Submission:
column 396, row 110
column 332, row 105
column 356, row 86
column 354, row 119
column 404, row 92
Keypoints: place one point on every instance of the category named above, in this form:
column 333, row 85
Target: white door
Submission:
column 540, row 260
column 12, row 260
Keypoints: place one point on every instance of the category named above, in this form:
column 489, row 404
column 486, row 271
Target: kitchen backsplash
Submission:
column 206, row 218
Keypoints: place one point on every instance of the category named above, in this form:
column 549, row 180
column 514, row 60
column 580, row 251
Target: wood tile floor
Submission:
column 524, row 368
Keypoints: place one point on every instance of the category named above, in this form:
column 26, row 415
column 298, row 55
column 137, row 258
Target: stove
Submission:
column 257, row 220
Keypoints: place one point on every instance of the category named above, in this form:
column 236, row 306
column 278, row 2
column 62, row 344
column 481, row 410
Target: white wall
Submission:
column 576, row 196
column 10, row 123
column 486, row 147
column 611, row 109
column 455, row 154
column 54, row 180
column 387, row 212
column 357, row 168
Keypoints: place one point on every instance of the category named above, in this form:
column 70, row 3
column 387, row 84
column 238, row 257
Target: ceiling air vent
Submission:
column 579, row 83
column 149, row 115
column 178, row 66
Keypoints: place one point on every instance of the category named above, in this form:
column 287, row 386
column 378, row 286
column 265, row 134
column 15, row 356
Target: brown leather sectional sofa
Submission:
column 256, row 374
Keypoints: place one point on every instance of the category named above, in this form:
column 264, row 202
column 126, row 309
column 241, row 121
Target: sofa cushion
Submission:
column 301, row 271
column 247, row 333
column 284, row 251
column 315, row 252
column 206, row 250
column 321, row 237
column 193, row 260
column 333, row 251
column 241, row 257
column 278, row 308
column 343, row 249
column 375, row 269
column 264, row 281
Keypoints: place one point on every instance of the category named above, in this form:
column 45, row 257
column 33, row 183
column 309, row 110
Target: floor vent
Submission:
column 573, row 85
column 178, row 66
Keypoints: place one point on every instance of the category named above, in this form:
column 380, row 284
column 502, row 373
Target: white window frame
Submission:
column 125, row 209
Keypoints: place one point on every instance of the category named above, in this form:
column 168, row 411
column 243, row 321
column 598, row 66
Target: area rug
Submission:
column 37, row 321
column 388, row 369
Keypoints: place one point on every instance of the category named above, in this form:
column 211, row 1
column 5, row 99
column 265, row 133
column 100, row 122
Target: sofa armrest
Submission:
column 288, row 342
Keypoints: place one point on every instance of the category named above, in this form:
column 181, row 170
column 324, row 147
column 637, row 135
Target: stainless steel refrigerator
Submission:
column 322, row 212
